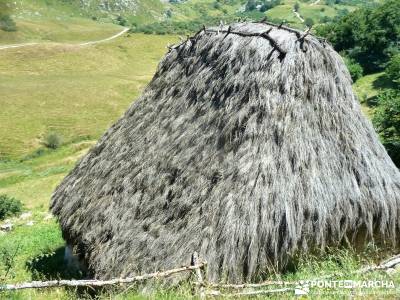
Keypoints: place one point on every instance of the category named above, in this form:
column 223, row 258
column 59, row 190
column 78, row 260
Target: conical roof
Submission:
column 248, row 146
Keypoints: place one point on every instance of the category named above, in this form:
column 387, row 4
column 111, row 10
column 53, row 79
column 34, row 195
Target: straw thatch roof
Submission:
column 248, row 146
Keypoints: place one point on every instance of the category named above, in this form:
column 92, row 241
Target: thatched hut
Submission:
column 248, row 146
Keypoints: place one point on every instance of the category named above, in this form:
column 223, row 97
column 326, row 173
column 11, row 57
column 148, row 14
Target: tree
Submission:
column 251, row 5
column 6, row 21
column 309, row 22
column 168, row 13
column 387, row 122
column 217, row 5
column 367, row 35
column 122, row 21
column 296, row 6
column 269, row 4
column 393, row 69
column 355, row 69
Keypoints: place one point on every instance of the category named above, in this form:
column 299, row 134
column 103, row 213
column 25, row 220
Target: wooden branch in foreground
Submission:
column 249, row 293
column 95, row 283
column 385, row 265
column 251, row 285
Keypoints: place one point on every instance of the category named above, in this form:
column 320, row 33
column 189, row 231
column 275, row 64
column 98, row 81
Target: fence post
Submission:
column 199, row 277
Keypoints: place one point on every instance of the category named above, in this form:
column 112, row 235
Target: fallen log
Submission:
column 96, row 283
column 197, row 266
column 249, row 293
column 252, row 285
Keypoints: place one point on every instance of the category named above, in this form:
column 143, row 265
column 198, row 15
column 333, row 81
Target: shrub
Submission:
column 369, row 34
column 7, row 261
column 393, row 69
column 7, row 23
column 9, row 207
column 355, row 69
column 309, row 22
column 122, row 21
column 325, row 19
column 387, row 122
column 168, row 13
column 52, row 140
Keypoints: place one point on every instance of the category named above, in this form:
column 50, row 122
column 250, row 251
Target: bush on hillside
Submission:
column 52, row 140
column 251, row 5
column 7, row 23
column 393, row 69
column 122, row 21
column 309, row 22
column 355, row 69
column 269, row 4
column 387, row 122
column 367, row 35
column 9, row 207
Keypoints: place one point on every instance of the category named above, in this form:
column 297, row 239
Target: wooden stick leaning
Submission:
column 199, row 277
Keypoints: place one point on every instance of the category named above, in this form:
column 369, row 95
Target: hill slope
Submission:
column 69, row 20
column 53, row 21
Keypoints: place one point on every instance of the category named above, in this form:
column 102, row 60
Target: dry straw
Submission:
column 249, row 146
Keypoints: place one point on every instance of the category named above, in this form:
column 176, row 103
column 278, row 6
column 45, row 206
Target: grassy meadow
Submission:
column 53, row 21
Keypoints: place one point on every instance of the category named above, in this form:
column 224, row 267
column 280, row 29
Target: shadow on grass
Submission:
column 371, row 101
column 51, row 266
column 380, row 83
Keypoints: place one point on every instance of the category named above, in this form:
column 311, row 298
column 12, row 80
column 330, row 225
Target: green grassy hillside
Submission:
column 76, row 91
column 76, row 20
column 53, row 21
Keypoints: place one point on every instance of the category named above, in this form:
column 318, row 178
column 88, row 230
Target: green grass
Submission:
column 28, row 242
column 54, row 21
column 205, row 11
column 68, row 21
column 75, row 91
column 367, row 86
column 70, row 30
column 367, row 89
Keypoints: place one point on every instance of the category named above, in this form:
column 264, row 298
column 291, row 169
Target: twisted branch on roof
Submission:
column 281, row 26
column 302, row 38
column 273, row 43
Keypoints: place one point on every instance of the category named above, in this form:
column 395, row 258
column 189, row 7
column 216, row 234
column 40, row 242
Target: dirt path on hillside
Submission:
column 107, row 39
column 16, row 45
column 298, row 16
column 3, row 47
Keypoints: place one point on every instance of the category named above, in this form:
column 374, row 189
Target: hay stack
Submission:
column 248, row 146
